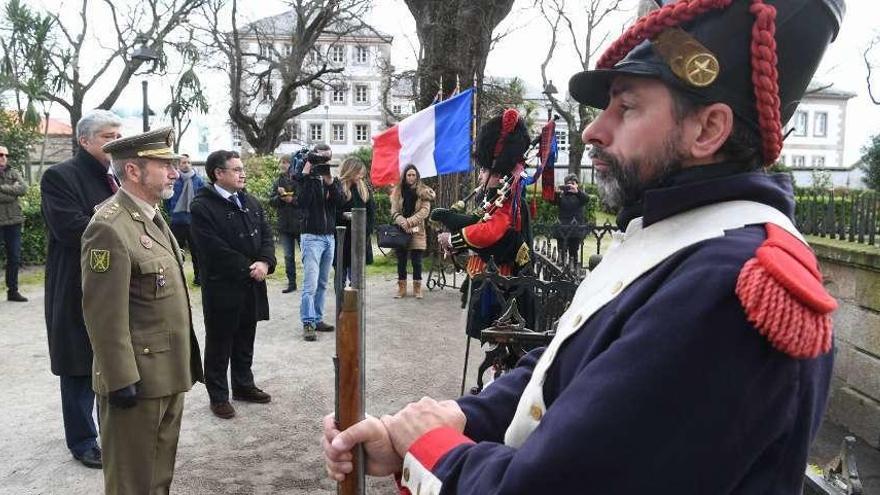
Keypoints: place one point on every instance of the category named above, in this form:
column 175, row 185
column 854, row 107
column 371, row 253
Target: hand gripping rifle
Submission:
column 349, row 359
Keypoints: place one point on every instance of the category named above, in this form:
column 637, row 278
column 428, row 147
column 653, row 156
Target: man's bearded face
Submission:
column 625, row 180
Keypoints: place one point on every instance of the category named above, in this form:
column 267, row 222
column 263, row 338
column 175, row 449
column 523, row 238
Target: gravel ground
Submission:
column 414, row 348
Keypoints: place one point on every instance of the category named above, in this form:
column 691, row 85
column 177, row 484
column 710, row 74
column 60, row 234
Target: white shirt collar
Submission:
column 223, row 192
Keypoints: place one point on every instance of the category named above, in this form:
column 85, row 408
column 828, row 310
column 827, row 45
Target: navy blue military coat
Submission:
column 666, row 389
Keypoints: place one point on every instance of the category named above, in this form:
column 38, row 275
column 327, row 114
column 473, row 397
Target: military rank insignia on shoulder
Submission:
column 107, row 209
column 99, row 260
column 782, row 293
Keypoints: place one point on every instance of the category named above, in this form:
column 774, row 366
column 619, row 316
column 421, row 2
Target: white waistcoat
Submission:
column 630, row 255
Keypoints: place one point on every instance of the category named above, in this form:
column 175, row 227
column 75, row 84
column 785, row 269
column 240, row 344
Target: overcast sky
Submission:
column 523, row 47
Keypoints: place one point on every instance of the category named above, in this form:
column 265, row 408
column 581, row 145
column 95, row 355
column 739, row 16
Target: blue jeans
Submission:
column 288, row 242
column 317, row 258
column 12, row 241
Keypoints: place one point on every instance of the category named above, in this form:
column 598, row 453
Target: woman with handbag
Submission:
column 355, row 194
column 410, row 206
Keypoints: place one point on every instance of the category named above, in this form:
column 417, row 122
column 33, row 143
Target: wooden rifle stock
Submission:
column 349, row 360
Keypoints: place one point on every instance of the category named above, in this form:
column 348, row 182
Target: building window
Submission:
column 361, row 133
column 316, row 94
column 204, row 133
column 783, row 159
column 361, row 55
column 338, row 96
column 361, row 94
column 797, row 161
column 338, row 135
column 562, row 140
column 266, row 50
column 337, row 54
column 396, row 109
column 290, row 131
column 288, row 49
column 316, row 132
column 800, row 123
column 820, row 124
column 818, row 161
column 236, row 137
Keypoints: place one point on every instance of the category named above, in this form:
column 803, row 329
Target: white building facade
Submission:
column 815, row 138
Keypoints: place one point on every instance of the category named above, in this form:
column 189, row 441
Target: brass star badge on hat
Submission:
column 688, row 59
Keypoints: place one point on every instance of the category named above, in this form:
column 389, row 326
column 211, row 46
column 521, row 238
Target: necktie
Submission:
column 111, row 181
column 235, row 200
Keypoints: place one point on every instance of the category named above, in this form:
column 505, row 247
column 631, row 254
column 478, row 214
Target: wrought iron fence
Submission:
column 844, row 215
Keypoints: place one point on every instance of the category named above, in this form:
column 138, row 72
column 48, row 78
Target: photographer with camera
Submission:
column 319, row 197
column 570, row 233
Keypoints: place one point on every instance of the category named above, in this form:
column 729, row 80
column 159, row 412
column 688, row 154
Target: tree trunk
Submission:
column 455, row 37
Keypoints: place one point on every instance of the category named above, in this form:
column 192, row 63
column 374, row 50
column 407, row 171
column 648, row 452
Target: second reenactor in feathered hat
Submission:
column 498, row 231
column 696, row 357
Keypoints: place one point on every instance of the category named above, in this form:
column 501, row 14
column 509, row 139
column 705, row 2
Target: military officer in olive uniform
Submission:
column 137, row 313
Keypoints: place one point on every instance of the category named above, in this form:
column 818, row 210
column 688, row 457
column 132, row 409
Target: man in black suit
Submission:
column 236, row 253
column 71, row 190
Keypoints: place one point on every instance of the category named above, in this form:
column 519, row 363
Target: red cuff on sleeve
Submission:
column 431, row 446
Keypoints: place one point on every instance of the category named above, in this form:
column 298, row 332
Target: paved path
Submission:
column 414, row 349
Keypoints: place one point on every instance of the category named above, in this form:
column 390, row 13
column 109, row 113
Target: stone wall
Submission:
column 852, row 275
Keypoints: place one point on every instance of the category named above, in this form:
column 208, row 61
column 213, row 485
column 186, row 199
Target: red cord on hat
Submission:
column 765, row 76
column 508, row 122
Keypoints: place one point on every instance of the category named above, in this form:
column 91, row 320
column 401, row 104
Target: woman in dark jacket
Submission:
column 571, row 231
column 355, row 194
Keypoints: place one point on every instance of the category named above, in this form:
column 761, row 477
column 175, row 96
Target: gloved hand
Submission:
column 124, row 398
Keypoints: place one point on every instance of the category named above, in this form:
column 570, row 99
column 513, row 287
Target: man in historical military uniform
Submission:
column 70, row 191
column 696, row 357
column 499, row 230
column 236, row 252
column 137, row 312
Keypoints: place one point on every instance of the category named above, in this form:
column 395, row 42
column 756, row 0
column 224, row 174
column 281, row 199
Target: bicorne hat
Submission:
column 757, row 56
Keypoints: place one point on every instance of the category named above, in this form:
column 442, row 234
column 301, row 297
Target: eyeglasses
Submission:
column 4, row 154
column 235, row 170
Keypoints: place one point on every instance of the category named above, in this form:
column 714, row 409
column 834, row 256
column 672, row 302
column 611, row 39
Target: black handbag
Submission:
column 392, row 237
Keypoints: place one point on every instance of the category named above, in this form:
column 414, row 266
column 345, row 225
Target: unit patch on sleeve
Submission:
column 99, row 260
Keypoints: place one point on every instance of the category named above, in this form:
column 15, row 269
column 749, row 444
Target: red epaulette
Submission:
column 781, row 290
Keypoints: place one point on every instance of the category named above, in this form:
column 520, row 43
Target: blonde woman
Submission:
column 410, row 206
column 355, row 194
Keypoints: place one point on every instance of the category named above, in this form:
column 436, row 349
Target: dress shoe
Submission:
column 90, row 458
column 289, row 289
column 16, row 296
column 251, row 394
column 223, row 410
column 323, row 327
column 309, row 332
column 197, row 282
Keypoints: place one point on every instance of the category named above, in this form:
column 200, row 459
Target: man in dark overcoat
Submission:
column 236, row 253
column 71, row 190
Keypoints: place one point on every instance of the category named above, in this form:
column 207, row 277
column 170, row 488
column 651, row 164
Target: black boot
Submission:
column 15, row 296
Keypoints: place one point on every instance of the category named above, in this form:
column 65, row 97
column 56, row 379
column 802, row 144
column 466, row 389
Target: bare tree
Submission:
column 74, row 66
column 869, row 65
column 263, row 78
column 559, row 19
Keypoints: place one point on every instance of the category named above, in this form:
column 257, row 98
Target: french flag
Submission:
column 437, row 140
